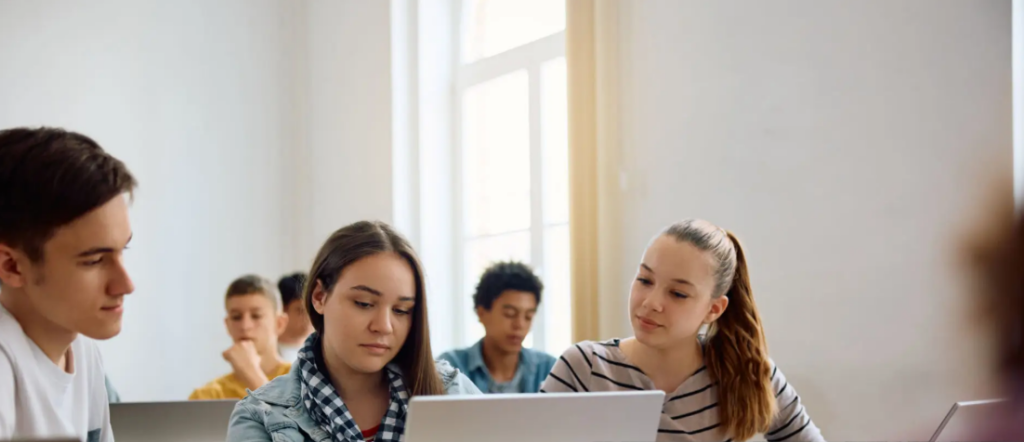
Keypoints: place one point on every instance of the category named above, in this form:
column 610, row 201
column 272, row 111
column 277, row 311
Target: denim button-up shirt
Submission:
column 533, row 368
column 276, row 412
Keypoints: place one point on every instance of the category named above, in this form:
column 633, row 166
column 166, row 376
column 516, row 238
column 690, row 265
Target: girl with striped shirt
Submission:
column 698, row 337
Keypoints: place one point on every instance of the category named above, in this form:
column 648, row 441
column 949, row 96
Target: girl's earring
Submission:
column 702, row 333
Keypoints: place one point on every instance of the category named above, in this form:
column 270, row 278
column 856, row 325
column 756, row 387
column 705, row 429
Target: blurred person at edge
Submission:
column 995, row 255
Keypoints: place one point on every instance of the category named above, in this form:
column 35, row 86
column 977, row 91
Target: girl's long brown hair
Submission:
column 736, row 352
column 360, row 240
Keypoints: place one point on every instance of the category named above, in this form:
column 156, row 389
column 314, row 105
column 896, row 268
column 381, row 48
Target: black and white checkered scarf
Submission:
column 328, row 410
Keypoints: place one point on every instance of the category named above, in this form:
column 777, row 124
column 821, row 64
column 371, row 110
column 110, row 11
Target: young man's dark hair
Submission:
column 290, row 287
column 505, row 276
column 506, row 299
column 299, row 327
column 49, row 178
column 63, row 229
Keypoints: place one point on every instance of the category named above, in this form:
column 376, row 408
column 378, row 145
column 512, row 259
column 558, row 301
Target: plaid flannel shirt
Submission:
column 328, row 410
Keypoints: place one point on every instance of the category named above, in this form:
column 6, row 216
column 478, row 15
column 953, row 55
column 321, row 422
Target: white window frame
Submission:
column 530, row 57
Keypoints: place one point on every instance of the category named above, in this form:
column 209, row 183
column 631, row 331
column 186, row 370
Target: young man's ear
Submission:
column 12, row 271
column 480, row 312
column 282, row 323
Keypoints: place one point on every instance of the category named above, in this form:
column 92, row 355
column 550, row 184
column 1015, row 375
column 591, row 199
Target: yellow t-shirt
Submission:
column 229, row 387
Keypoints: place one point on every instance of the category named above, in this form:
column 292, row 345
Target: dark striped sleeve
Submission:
column 792, row 423
column 571, row 373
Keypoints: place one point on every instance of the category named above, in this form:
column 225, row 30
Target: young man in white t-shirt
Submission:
column 63, row 228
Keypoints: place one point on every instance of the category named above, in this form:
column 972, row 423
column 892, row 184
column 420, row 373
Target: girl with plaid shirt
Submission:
column 369, row 354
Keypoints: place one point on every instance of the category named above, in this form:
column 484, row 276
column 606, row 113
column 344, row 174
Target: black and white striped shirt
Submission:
column 691, row 412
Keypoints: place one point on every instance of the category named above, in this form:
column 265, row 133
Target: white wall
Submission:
column 347, row 175
column 845, row 143
column 253, row 126
column 1018, row 103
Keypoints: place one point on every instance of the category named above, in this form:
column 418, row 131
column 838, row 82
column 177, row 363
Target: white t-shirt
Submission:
column 289, row 353
column 39, row 400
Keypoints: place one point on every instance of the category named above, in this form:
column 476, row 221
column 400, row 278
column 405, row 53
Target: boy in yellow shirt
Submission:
column 254, row 320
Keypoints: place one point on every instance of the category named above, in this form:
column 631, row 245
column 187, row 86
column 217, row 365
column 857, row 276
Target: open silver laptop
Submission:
column 198, row 421
column 537, row 417
column 964, row 417
column 41, row 440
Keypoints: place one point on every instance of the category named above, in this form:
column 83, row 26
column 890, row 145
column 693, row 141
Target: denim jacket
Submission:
column 276, row 412
column 533, row 368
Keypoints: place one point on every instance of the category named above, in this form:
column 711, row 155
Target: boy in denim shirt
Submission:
column 506, row 300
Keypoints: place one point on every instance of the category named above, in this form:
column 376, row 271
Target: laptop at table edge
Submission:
column 952, row 411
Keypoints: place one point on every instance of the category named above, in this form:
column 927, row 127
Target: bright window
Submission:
column 495, row 26
column 512, row 149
